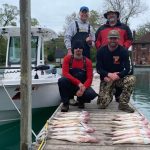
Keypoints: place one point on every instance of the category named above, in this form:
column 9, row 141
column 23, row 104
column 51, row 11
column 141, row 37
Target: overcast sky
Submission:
column 52, row 13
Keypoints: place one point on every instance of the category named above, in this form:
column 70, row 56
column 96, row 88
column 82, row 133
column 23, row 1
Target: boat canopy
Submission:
column 46, row 33
column 38, row 37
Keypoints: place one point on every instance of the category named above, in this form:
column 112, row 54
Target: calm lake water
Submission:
column 9, row 134
column 141, row 94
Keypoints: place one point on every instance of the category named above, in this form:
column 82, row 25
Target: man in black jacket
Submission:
column 113, row 65
column 125, row 40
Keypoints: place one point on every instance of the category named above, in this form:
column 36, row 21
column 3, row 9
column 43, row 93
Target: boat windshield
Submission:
column 15, row 50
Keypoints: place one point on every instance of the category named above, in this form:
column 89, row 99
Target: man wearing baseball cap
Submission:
column 125, row 40
column 84, row 8
column 113, row 65
column 80, row 29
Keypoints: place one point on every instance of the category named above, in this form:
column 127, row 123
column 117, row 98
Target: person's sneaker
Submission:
column 64, row 108
column 73, row 102
column 81, row 105
column 126, row 108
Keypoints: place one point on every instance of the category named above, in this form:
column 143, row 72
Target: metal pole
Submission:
column 25, row 31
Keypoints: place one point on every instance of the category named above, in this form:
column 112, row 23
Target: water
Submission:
column 10, row 133
column 10, row 136
column 141, row 94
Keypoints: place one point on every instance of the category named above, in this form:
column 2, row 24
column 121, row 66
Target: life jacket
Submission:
column 82, row 37
column 80, row 74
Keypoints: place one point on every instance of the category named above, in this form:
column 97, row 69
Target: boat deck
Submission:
column 100, row 120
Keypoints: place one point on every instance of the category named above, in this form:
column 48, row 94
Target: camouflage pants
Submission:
column 106, row 90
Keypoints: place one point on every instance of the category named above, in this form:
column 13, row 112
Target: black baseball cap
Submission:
column 77, row 44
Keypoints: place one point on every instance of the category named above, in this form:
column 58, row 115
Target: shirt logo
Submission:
column 116, row 59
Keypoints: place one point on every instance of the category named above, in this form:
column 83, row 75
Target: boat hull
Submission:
column 43, row 95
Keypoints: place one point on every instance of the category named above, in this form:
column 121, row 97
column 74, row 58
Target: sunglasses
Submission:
column 78, row 47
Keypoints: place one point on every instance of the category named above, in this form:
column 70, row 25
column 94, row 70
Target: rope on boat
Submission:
column 11, row 99
column 15, row 105
column 41, row 137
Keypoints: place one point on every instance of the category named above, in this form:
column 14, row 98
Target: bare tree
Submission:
column 69, row 19
column 126, row 8
column 8, row 14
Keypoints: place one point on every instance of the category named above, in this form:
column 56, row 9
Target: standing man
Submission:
column 77, row 78
column 113, row 23
column 125, row 40
column 113, row 65
column 83, row 31
column 80, row 30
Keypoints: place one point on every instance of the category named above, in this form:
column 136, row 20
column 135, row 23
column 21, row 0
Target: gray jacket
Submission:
column 72, row 30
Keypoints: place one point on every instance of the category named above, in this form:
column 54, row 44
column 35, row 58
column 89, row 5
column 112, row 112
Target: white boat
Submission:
column 45, row 91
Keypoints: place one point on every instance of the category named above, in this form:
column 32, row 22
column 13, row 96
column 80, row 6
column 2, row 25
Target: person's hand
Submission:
column 69, row 52
column 113, row 76
column 81, row 90
column 79, row 93
column 89, row 40
column 107, row 79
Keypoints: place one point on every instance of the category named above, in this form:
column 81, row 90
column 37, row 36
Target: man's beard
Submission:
column 112, row 21
column 113, row 45
column 78, row 56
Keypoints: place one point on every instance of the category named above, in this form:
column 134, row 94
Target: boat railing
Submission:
column 40, row 67
column 14, row 69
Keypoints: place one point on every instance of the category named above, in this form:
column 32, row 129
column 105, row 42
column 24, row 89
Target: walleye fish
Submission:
column 76, row 138
column 132, row 131
column 57, row 122
column 87, row 127
column 130, row 135
column 67, row 125
column 133, row 118
column 126, row 126
column 127, row 115
column 74, row 113
column 134, row 140
column 83, row 119
column 126, row 122
column 68, row 129
column 71, row 132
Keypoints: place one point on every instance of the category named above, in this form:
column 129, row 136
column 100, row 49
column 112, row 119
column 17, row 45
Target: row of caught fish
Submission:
column 72, row 126
column 130, row 128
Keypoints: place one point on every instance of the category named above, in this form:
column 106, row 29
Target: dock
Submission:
column 100, row 120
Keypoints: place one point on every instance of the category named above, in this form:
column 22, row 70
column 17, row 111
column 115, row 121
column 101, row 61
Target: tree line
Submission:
column 128, row 9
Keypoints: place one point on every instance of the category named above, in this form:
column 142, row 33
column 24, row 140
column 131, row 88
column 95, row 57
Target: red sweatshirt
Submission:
column 78, row 64
column 125, row 39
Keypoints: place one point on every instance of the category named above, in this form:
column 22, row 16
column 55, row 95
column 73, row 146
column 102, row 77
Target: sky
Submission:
column 52, row 13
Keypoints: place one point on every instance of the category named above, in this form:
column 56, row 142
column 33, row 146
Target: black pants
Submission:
column 117, row 92
column 67, row 90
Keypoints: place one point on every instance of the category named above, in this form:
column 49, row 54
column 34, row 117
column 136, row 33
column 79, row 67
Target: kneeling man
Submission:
column 77, row 77
column 113, row 65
